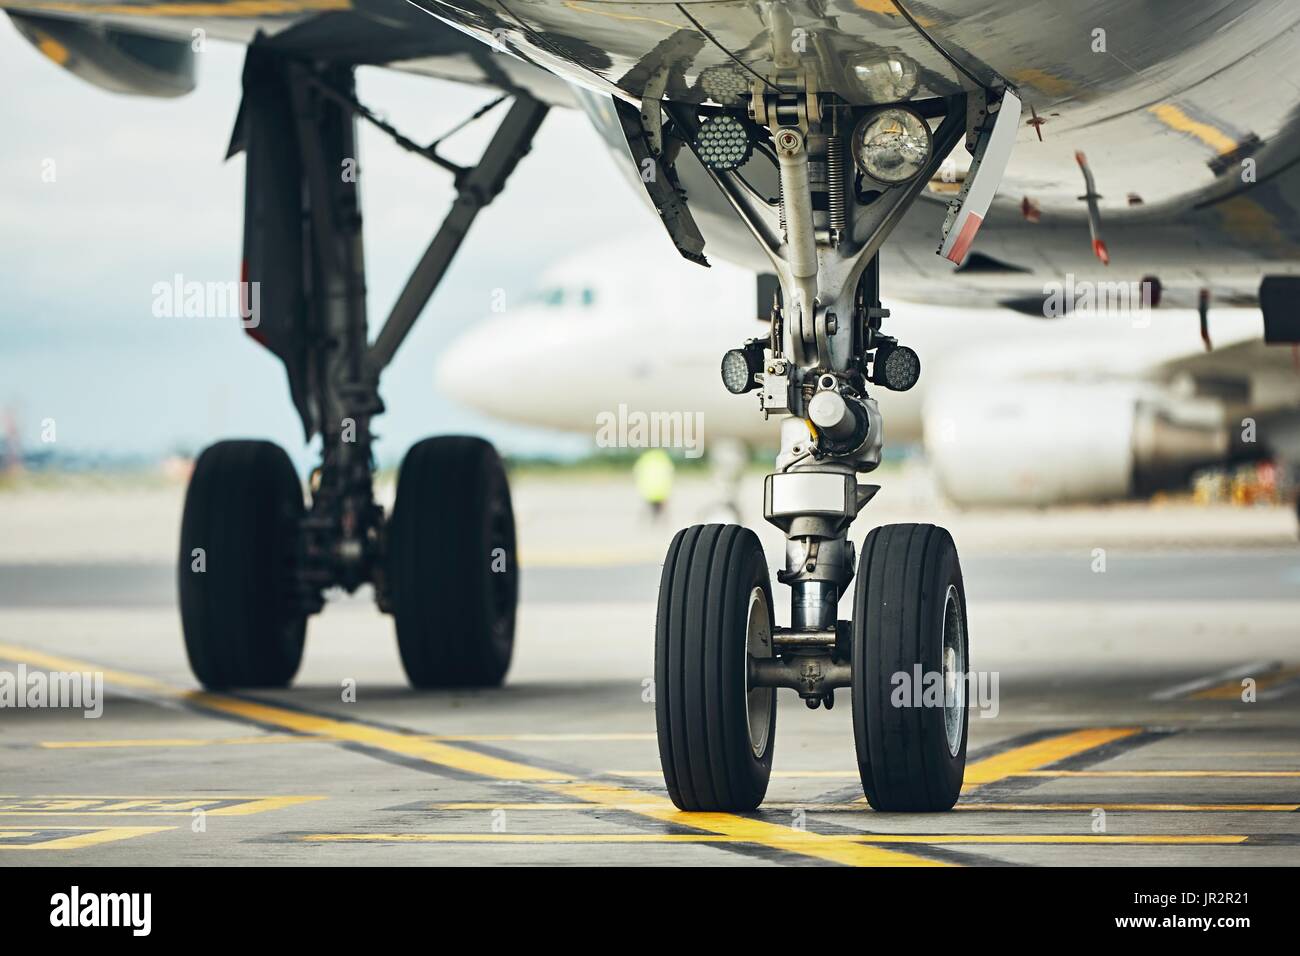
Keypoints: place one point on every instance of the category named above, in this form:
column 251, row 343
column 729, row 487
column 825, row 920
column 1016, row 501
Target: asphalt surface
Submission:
column 1263, row 574
column 1119, row 737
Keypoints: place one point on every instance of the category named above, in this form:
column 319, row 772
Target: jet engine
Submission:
column 1040, row 443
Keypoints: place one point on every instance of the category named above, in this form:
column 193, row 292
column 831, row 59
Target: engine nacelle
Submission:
column 120, row 61
column 1039, row 443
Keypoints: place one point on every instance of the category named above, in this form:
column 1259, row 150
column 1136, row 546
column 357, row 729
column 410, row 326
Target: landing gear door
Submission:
column 992, row 151
column 265, row 131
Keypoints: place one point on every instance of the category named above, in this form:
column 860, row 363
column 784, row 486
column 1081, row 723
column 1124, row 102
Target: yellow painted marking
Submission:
column 1160, row 773
column 832, row 848
column 865, row 838
column 776, row 774
column 442, row 754
column 1049, row 838
column 408, row 745
column 167, row 742
column 1138, row 807
column 1232, row 689
column 52, row 662
column 231, row 9
column 183, row 742
column 861, row 807
column 487, row 805
column 1016, row 761
column 224, row 805
column 544, row 738
column 260, row 805
column 78, row 837
column 1010, row 763
column 434, row 752
column 514, row 838
column 1213, row 137
column 742, row 829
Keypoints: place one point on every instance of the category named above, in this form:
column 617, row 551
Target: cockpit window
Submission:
column 555, row 296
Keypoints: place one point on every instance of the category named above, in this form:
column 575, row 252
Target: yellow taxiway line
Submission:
column 854, row 850
column 1159, row 773
column 1232, row 689
column 862, row 838
column 486, row 806
column 1050, row 750
column 833, row 849
column 77, row 838
column 166, row 742
column 89, row 805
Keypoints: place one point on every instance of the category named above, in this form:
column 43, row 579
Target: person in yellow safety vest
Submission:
column 653, row 474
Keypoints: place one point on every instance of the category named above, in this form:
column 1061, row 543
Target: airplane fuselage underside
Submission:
column 1168, row 103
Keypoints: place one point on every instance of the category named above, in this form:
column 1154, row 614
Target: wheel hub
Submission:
column 954, row 669
column 758, row 644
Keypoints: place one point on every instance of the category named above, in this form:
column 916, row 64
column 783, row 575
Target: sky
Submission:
column 141, row 193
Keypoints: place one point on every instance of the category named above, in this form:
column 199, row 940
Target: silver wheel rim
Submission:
column 954, row 670
column 758, row 700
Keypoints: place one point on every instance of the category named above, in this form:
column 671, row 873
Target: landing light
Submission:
column 896, row 367
column 891, row 146
column 738, row 368
column 723, row 142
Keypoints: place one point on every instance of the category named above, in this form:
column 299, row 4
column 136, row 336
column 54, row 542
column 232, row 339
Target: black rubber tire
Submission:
column 243, row 623
column 454, row 614
column 700, row 670
column 898, row 613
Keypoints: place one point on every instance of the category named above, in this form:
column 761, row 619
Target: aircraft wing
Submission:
column 148, row 48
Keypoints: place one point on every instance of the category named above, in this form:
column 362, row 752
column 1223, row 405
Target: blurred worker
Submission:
column 653, row 473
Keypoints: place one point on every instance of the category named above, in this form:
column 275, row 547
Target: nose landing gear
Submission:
column 904, row 653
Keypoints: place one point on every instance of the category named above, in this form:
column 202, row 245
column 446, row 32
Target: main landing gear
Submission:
column 846, row 175
column 254, row 559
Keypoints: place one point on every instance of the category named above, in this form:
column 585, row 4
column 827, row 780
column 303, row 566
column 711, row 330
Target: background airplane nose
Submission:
column 474, row 369
column 454, row 368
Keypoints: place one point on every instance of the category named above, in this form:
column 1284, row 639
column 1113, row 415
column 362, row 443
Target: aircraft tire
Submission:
column 716, row 734
column 451, row 573
column 909, row 612
column 242, row 622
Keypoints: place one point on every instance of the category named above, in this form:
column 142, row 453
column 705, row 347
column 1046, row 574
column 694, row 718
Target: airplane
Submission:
column 1013, row 410
column 1152, row 142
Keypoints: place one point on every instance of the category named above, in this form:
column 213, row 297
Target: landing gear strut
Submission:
column 846, row 175
column 254, row 559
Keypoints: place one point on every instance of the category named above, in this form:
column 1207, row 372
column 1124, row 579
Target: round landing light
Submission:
column 891, row 146
column 896, row 367
column 723, row 142
column 737, row 375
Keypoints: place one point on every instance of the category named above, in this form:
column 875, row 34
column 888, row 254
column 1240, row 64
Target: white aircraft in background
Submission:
column 1085, row 407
